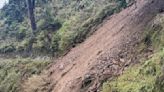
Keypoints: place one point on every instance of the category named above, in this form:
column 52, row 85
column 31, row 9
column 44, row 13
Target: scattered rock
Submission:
column 61, row 66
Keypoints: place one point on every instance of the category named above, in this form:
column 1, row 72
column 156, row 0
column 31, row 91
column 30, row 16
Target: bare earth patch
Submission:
column 106, row 53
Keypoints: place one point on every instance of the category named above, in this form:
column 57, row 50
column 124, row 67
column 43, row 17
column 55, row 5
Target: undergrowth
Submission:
column 14, row 71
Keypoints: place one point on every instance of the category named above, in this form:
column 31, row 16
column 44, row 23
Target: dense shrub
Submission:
column 14, row 71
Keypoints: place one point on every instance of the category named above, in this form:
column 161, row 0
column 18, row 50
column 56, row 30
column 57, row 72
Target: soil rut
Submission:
column 98, row 58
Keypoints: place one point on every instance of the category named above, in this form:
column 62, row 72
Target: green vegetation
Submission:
column 143, row 77
column 147, row 76
column 14, row 71
column 61, row 24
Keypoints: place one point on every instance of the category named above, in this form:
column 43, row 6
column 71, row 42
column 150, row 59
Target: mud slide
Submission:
column 105, row 53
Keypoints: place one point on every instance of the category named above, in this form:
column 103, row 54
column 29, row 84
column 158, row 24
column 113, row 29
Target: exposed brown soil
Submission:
column 106, row 53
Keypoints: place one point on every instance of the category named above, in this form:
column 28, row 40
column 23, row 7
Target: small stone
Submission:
column 61, row 66
column 122, row 60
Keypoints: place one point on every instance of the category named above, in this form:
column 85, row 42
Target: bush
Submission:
column 21, row 33
column 14, row 71
column 7, row 49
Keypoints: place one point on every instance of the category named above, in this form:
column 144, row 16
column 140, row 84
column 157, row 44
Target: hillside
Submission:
column 60, row 26
column 104, row 55
column 82, row 46
column 146, row 75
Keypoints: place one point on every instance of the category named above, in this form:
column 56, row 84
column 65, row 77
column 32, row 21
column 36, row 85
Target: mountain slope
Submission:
column 86, row 65
column 147, row 75
column 118, row 42
column 61, row 25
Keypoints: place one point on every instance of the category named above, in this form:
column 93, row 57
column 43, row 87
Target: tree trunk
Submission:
column 31, row 7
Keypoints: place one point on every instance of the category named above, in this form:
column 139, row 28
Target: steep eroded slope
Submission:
column 102, row 55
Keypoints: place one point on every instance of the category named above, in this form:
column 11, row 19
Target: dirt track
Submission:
column 99, row 57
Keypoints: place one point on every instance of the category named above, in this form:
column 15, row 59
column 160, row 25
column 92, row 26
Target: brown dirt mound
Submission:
column 106, row 52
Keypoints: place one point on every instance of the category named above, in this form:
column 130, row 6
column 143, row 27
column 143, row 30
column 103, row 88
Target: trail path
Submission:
column 99, row 57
